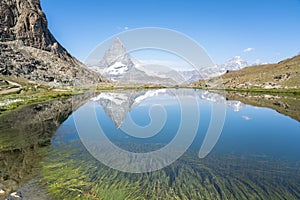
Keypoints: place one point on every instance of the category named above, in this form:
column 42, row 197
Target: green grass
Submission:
column 30, row 94
column 294, row 92
column 284, row 75
column 30, row 97
column 68, row 174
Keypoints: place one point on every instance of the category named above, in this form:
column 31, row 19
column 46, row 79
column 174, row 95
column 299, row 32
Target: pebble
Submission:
column 2, row 192
column 15, row 196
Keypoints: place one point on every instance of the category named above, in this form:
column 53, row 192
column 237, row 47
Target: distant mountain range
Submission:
column 118, row 66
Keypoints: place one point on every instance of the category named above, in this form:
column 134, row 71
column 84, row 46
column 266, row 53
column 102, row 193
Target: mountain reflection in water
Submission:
column 255, row 156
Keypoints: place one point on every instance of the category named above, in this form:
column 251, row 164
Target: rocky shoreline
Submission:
column 30, row 191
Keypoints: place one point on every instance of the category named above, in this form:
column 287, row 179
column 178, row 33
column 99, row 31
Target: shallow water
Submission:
column 225, row 149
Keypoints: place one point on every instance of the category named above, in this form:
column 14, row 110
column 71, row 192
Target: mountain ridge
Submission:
column 29, row 50
column 118, row 65
column 282, row 75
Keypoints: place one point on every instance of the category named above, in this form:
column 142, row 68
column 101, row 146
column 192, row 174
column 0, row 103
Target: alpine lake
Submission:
column 225, row 145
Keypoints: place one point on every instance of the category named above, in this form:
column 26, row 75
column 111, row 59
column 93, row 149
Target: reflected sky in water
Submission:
column 256, row 155
column 247, row 130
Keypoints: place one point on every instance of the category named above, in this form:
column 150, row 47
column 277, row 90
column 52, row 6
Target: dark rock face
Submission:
column 24, row 20
column 42, row 66
column 28, row 49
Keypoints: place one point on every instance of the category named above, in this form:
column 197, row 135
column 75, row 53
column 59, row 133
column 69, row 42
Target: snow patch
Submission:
column 117, row 68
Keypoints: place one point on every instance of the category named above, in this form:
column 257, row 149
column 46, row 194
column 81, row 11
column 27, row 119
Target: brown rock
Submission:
column 29, row 50
column 24, row 20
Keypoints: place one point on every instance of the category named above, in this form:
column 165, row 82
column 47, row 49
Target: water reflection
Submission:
column 117, row 105
column 285, row 104
column 25, row 137
column 255, row 156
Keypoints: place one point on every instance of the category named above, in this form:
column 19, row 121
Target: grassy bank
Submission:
column 12, row 101
column 25, row 93
column 267, row 91
column 294, row 92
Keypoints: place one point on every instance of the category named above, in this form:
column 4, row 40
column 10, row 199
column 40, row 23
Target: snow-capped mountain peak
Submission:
column 116, row 61
column 235, row 63
column 115, row 52
column 118, row 65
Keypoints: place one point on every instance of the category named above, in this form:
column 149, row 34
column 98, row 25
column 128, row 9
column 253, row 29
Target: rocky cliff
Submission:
column 29, row 50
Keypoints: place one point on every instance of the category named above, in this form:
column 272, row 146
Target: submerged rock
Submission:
column 15, row 196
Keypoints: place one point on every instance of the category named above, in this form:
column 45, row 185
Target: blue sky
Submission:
column 268, row 29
